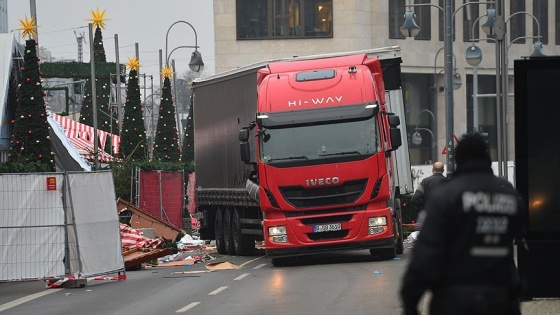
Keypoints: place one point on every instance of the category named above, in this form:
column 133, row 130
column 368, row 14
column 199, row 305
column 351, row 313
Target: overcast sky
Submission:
column 135, row 21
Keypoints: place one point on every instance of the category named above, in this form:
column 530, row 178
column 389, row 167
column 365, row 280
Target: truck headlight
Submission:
column 377, row 225
column 377, row 221
column 277, row 234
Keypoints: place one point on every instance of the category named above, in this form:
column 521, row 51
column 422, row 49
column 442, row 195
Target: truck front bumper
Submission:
column 315, row 249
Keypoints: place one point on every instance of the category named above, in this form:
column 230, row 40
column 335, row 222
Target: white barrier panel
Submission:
column 32, row 225
column 91, row 195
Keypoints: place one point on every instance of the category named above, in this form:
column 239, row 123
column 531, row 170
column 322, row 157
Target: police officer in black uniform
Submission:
column 464, row 252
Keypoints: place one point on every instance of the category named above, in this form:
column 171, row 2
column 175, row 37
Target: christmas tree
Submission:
column 166, row 146
column 133, row 136
column 30, row 141
column 188, row 140
column 106, row 118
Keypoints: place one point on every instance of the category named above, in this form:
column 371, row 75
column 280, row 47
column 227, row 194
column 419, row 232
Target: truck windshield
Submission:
column 313, row 142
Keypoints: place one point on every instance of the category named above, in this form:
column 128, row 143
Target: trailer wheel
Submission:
column 219, row 231
column 243, row 244
column 228, row 233
column 398, row 227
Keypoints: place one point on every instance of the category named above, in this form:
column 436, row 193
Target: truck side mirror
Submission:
column 394, row 120
column 244, row 135
column 245, row 152
column 396, row 140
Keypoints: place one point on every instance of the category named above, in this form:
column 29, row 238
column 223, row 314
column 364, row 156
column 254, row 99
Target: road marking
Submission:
column 25, row 299
column 241, row 276
column 188, row 307
column 218, row 290
column 259, row 266
column 250, row 261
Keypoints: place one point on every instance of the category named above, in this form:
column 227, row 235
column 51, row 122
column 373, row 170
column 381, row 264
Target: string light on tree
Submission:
column 106, row 117
column 133, row 136
column 166, row 146
column 30, row 141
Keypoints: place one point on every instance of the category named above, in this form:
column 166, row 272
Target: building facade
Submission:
column 249, row 31
column 3, row 16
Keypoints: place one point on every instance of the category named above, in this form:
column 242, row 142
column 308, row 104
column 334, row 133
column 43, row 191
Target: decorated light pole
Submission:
column 30, row 141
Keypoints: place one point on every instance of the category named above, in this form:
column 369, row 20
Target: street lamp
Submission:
column 408, row 29
column 474, row 54
column 457, row 81
column 496, row 25
column 196, row 64
column 417, row 137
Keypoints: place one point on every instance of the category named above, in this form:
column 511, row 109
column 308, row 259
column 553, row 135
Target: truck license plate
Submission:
column 326, row 227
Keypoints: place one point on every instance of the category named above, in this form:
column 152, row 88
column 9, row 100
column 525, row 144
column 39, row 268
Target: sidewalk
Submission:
column 533, row 307
column 541, row 306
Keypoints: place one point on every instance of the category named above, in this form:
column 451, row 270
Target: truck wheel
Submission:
column 399, row 228
column 219, row 231
column 244, row 245
column 228, row 235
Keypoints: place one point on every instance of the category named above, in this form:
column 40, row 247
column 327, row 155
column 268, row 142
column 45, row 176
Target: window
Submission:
column 470, row 14
column 540, row 11
column 423, row 19
column 420, row 105
column 486, row 110
column 516, row 23
column 396, row 18
column 442, row 20
column 277, row 19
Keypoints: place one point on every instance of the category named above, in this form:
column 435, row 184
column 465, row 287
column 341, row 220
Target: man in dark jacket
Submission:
column 464, row 251
column 428, row 185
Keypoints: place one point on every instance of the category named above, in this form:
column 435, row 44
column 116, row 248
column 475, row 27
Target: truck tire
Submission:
column 219, row 230
column 228, row 234
column 398, row 227
column 243, row 244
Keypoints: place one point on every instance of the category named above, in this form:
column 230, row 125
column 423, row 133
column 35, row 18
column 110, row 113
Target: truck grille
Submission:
column 299, row 197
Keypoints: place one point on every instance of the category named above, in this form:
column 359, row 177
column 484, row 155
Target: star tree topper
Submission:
column 166, row 72
column 133, row 64
column 98, row 18
column 28, row 27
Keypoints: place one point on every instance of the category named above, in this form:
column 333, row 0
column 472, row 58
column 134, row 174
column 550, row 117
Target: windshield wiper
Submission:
column 340, row 153
column 301, row 157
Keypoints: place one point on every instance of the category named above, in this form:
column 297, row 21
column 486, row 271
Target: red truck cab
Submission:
column 324, row 176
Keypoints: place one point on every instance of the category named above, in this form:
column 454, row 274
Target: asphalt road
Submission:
column 335, row 283
column 348, row 282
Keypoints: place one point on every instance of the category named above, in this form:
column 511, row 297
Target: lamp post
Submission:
column 457, row 82
column 196, row 64
column 150, row 127
column 417, row 137
column 410, row 28
column 496, row 25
